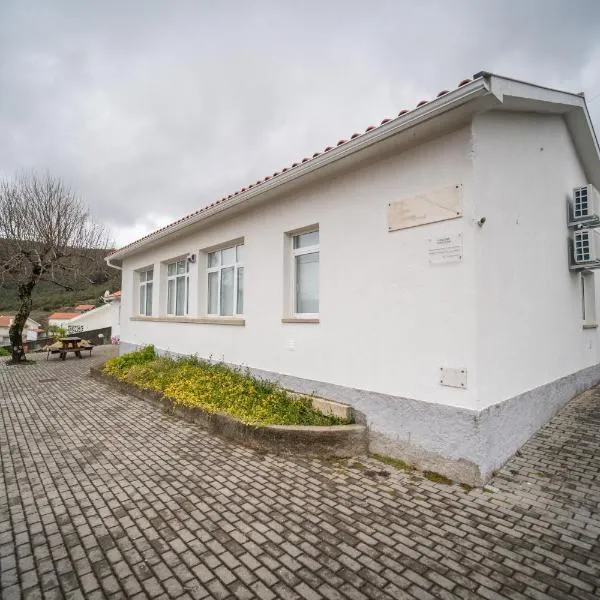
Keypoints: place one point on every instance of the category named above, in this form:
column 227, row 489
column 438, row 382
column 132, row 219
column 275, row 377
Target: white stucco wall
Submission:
column 115, row 317
column 388, row 319
column 529, row 316
column 98, row 318
column 59, row 322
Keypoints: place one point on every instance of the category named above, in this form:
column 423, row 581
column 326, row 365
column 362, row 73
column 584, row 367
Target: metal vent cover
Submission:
column 581, row 206
column 582, row 247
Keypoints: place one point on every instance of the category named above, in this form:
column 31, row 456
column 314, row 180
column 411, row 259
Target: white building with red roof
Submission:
column 61, row 319
column 30, row 332
column 426, row 271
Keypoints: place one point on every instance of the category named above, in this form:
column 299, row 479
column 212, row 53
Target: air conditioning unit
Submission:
column 584, row 208
column 585, row 249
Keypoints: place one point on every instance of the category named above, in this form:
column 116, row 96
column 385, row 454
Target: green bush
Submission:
column 216, row 387
column 4, row 352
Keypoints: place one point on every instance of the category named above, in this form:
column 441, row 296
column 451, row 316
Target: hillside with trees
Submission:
column 48, row 237
column 47, row 297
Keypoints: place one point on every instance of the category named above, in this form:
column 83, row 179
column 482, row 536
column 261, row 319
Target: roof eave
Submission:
column 572, row 106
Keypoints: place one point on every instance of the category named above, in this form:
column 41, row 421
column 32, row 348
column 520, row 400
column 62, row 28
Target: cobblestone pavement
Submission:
column 105, row 496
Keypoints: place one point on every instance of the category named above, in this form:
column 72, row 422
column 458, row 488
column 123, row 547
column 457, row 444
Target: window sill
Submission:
column 301, row 320
column 590, row 325
column 197, row 320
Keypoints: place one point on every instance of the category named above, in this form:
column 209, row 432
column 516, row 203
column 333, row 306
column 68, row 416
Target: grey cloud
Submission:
column 153, row 108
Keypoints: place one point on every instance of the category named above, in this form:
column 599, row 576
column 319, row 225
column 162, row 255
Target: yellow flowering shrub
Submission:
column 217, row 388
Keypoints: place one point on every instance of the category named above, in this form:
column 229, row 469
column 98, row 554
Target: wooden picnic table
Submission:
column 69, row 344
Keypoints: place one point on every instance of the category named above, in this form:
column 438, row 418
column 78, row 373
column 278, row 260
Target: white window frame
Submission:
column 236, row 264
column 174, row 278
column 588, row 299
column 294, row 252
column 143, row 284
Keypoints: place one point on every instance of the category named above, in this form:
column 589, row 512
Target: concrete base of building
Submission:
column 464, row 445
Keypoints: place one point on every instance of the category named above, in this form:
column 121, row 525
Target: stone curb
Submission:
column 334, row 441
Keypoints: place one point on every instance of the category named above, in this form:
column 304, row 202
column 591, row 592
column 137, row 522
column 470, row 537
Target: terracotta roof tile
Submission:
column 63, row 315
column 296, row 164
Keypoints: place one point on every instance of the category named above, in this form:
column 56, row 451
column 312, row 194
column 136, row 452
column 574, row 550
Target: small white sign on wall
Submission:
column 453, row 377
column 445, row 249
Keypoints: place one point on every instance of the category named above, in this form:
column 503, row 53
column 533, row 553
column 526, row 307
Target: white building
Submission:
column 419, row 271
column 30, row 331
column 97, row 318
column 102, row 317
column 61, row 319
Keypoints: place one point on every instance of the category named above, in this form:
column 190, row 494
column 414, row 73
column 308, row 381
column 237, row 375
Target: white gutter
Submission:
column 457, row 97
column 107, row 260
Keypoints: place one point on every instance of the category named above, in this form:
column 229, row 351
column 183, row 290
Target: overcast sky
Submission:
column 151, row 109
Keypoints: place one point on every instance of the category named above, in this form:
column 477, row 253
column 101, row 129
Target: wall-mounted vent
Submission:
column 586, row 249
column 584, row 208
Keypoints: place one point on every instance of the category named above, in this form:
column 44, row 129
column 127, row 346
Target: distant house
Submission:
column 84, row 307
column 103, row 317
column 30, row 332
column 61, row 319
column 423, row 271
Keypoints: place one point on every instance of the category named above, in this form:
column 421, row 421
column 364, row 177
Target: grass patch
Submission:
column 216, row 387
column 393, row 462
column 466, row 487
column 4, row 352
column 437, row 477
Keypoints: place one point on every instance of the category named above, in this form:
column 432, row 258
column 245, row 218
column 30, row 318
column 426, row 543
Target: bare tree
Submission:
column 46, row 234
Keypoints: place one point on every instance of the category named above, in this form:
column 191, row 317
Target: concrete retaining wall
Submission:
column 340, row 441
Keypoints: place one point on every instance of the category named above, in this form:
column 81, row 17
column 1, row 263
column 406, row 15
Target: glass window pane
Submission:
column 142, row 299
column 149, row 274
column 149, row 298
column 181, row 267
column 307, row 283
column 180, row 296
column 239, row 250
column 213, row 293
column 303, row 240
column 187, row 295
column 240, row 291
column 227, row 291
column 228, row 256
column 170, row 269
column 213, row 258
column 171, row 297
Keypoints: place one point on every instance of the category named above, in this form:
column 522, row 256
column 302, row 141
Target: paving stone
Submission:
column 106, row 496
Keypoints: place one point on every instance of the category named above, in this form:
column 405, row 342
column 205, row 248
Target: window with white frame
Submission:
column 588, row 299
column 178, row 288
column 145, row 293
column 305, row 272
column 226, row 281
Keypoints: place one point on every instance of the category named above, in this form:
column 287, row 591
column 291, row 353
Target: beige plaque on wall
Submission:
column 436, row 205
